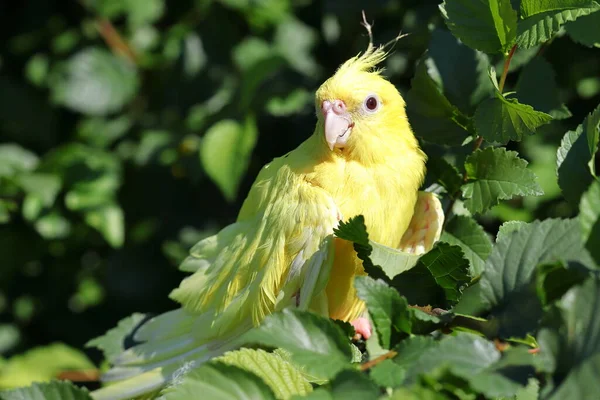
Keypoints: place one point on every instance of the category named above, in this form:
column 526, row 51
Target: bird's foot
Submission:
column 362, row 327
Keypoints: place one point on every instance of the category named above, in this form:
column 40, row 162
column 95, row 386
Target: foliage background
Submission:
column 114, row 160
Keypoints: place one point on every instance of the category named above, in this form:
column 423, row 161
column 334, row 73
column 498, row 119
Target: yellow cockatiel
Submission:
column 362, row 159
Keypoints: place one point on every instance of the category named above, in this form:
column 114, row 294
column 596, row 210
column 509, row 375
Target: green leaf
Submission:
column 112, row 343
column 43, row 186
column 495, row 174
column 138, row 12
column 445, row 173
column 282, row 377
column 376, row 257
column 533, row 7
column 486, row 25
column 449, row 268
column 431, row 115
column 541, row 26
column 14, row 158
column 499, row 119
column 465, row 232
column 461, row 71
column 386, row 307
column 411, row 349
column 219, row 382
column 589, row 217
column 225, row 153
column 571, row 339
column 56, row 390
column 554, row 279
column 294, row 40
column 507, row 280
column 294, row 103
column 316, row 343
column 109, row 221
column 585, row 30
column 537, row 87
column 388, row 374
column 53, row 226
column 94, row 82
column 575, row 159
column 42, row 364
column 438, row 279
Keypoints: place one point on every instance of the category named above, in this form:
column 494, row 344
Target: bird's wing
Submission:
column 425, row 226
column 277, row 254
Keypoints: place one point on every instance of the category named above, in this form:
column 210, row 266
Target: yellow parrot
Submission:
column 361, row 159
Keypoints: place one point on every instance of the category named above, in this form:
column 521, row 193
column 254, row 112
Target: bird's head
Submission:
column 359, row 110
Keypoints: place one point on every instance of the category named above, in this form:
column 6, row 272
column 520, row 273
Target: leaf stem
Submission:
column 375, row 361
column 506, row 67
column 114, row 40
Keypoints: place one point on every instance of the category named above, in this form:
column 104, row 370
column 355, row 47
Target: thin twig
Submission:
column 114, row 40
column 381, row 358
column 369, row 28
column 506, row 67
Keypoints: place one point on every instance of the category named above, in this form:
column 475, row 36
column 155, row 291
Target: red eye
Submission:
column 371, row 103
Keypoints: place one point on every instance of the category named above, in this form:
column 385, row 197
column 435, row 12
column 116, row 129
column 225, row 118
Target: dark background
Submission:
column 134, row 115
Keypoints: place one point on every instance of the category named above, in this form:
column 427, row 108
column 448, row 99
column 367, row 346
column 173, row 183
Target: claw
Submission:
column 362, row 326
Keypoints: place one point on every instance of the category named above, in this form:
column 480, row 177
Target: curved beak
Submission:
column 338, row 123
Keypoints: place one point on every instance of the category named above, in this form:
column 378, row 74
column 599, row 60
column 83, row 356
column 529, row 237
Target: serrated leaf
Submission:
column 445, row 174
column 388, row 374
column 486, row 25
column 465, row 232
column 282, row 377
column 431, row 115
column 554, row 279
column 571, row 338
column 316, row 343
column 42, row 364
column 540, row 27
column 495, row 174
column 219, row 382
column 499, row 119
column 225, row 153
column 438, row 279
column 509, row 270
column 533, row 7
column 112, row 343
column 94, row 82
column 377, row 258
column 585, row 30
column 589, row 217
column 459, row 70
column 386, row 307
column 56, row 390
column 537, row 87
column 575, row 158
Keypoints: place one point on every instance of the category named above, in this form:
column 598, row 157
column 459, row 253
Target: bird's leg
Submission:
column 362, row 327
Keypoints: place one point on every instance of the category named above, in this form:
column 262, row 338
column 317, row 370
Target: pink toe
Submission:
column 362, row 326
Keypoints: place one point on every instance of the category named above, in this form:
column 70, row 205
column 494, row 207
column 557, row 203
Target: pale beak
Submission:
column 338, row 123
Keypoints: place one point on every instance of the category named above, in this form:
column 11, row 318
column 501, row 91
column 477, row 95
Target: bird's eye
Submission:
column 371, row 104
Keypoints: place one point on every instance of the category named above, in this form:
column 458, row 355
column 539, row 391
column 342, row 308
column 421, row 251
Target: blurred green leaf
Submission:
column 495, row 174
column 9, row 338
column 100, row 132
column 585, row 30
column 386, row 308
column 14, row 158
column 589, row 216
column 295, row 102
column 486, row 25
column 41, row 364
column 388, row 374
column 282, row 377
column 225, row 153
column 43, row 186
column 432, row 116
column 53, row 226
column 151, row 143
column 465, row 232
column 112, row 343
column 316, row 343
column 55, row 390
column 543, row 20
column 294, row 41
column 138, row 12
column 537, row 87
column 94, row 82
column 575, row 159
column 37, row 69
column 109, row 221
column 219, row 382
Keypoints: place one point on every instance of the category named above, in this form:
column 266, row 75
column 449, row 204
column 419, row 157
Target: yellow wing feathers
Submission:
column 246, row 265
